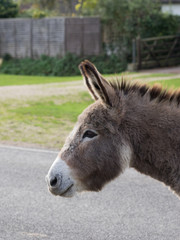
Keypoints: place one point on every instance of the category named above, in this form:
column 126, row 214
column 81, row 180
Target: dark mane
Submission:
column 155, row 92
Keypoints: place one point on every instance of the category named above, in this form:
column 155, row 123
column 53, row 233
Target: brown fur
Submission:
column 136, row 125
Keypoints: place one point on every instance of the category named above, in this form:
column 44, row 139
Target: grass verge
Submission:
column 46, row 121
column 170, row 83
column 9, row 80
column 14, row 80
column 154, row 75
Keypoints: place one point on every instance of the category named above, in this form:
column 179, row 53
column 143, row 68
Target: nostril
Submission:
column 53, row 182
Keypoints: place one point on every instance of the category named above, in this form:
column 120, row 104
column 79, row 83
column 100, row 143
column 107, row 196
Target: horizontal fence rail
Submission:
column 156, row 52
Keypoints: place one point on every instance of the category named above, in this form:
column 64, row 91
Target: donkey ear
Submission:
column 97, row 85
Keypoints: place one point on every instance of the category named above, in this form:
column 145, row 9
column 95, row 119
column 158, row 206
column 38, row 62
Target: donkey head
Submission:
column 95, row 151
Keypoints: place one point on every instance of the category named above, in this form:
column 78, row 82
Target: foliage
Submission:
column 66, row 66
column 37, row 8
column 46, row 4
column 51, row 8
column 160, row 25
column 131, row 18
column 40, row 4
column 36, row 13
column 85, row 7
column 7, row 57
column 65, row 7
column 8, row 9
column 124, row 20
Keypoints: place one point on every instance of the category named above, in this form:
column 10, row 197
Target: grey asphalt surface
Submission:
column 132, row 207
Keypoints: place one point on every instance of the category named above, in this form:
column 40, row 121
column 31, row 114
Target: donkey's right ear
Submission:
column 97, row 85
column 82, row 69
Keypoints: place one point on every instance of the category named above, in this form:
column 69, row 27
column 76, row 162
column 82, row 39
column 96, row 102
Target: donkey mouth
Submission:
column 68, row 192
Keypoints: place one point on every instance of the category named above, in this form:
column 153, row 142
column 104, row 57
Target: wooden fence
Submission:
column 156, row 52
column 50, row 36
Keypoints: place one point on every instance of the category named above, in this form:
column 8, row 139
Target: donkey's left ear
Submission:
column 97, row 85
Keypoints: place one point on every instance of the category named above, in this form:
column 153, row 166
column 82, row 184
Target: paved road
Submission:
column 133, row 207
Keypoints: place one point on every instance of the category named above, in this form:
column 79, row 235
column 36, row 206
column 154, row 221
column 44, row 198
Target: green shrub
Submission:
column 32, row 13
column 66, row 66
column 38, row 14
column 159, row 24
column 8, row 9
column 124, row 20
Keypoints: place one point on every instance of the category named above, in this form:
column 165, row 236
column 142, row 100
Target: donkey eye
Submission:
column 89, row 134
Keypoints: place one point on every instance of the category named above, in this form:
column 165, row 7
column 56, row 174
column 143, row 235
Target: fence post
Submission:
column 138, row 44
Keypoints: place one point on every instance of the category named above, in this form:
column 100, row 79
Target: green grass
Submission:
column 12, row 80
column 8, row 80
column 171, row 83
column 46, row 121
column 153, row 75
column 66, row 111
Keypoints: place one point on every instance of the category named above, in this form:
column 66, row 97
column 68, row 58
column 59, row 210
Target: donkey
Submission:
column 128, row 125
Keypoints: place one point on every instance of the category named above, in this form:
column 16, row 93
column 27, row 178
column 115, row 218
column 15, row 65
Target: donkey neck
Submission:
column 153, row 131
